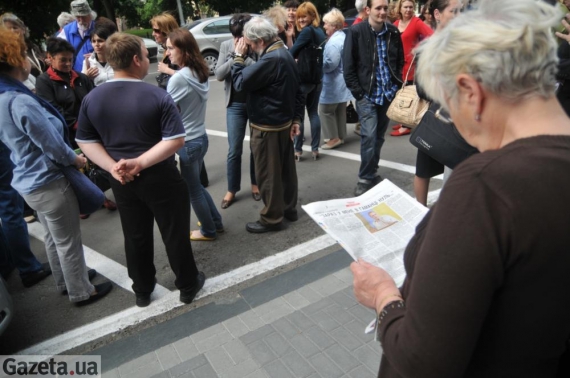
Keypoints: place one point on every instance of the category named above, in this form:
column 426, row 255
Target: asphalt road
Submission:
column 42, row 314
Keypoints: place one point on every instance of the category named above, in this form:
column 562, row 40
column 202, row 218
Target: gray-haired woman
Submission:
column 487, row 296
column 335, row 94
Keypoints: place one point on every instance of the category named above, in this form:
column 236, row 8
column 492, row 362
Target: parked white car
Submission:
column 152, row 48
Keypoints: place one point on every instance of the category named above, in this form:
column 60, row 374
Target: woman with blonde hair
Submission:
column 189, row 89
column 486, row 291
column 162, row 25
column 335, row 94
column 308, row 22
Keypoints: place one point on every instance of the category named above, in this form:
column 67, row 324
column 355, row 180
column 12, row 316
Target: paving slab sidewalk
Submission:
column 303, row 323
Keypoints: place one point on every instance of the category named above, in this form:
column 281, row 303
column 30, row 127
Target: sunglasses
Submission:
column 240, row 22
column 157, row 30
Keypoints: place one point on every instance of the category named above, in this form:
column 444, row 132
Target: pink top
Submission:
column 416, row 31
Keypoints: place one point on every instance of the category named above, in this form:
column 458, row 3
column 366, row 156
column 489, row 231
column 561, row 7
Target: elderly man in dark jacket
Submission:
column 373, row 61
column 275, row 105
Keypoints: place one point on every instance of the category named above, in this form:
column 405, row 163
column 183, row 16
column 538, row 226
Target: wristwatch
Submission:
column 238, row 55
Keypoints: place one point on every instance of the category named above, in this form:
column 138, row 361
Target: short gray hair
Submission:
column 359, row 5
column 65, row 18
column 260, row 29
column 505, row 45
column 334, row 18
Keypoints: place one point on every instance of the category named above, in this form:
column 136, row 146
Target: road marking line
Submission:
column 341, row 154
column 134, row 315
column 104, row 265
column 166, row 302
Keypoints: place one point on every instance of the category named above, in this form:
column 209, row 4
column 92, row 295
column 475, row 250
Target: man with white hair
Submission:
column 360, row 6
column 78, row 32
column 275, row 105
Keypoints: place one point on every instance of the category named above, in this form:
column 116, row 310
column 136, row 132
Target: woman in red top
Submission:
column 413, row 31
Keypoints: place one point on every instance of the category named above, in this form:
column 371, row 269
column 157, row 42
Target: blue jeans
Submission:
column 15, row 251
column 374, row 123
column 236, row 116
column 313, row 92
column 191, row 158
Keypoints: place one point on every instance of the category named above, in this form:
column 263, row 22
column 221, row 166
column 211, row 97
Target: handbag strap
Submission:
column 409, row 69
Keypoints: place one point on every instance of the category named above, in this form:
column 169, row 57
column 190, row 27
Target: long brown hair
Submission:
column 184, row 40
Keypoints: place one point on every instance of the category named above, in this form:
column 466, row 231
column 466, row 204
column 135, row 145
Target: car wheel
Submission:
column 211, row 59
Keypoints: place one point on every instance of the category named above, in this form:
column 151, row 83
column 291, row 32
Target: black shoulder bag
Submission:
column 440, row 140
column 310, row 62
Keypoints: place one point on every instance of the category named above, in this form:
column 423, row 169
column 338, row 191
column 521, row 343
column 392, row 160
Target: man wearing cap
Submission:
column 78, row 33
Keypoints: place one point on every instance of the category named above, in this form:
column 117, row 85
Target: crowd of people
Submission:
column 482, row 266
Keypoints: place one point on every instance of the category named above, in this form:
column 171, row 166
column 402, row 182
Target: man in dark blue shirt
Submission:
column 135, row 140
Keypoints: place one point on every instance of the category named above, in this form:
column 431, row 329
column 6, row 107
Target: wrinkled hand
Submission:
column 295, row 130
column 241, row 47
column 563, row 36
column 92, row 72
column 80, row 161
column 163, row 67
column 372, row 285
column 125, row 171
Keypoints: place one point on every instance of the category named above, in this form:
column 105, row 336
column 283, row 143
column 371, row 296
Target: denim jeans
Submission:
column 236, row 116
column 191, row 158
column 15, row 251
column 313, row 92
column 374, row 123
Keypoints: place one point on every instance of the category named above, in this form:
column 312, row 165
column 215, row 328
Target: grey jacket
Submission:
column 224, row 65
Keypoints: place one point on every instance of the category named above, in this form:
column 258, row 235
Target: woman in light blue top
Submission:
column 189, row 88
column 35, row 133
column 335, row 94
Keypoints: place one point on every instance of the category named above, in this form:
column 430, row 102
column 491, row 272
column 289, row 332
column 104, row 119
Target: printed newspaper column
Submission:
column 375, row 227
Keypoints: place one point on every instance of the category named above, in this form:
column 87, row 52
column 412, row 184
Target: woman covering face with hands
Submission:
column 236, row 110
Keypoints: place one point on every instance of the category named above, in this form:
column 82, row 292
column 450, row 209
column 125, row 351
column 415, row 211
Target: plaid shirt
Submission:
column 383, row 86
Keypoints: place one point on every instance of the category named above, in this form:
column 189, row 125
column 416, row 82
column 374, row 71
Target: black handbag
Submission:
column 440, row 140
column 98, row 176
column 310, row 62
column 351, row 114
column 162, row 80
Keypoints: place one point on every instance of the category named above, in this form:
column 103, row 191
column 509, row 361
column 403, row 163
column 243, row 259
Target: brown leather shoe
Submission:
column 109, row 205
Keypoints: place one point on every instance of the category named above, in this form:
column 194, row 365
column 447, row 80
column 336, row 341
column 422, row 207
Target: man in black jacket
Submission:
column 373, row 61
column 275, row 105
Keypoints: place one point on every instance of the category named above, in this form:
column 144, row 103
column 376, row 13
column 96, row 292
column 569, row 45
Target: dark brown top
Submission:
column 488, row 286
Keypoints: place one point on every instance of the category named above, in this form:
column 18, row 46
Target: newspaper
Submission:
column 375, row 227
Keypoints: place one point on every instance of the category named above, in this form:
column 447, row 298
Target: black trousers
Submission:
column 160, row 194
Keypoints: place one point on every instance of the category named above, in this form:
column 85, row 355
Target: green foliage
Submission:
column 224, row 7
column 39, row 16
column 143, row 33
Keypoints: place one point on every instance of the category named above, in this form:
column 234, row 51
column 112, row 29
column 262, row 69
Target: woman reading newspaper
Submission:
column 487, row 287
